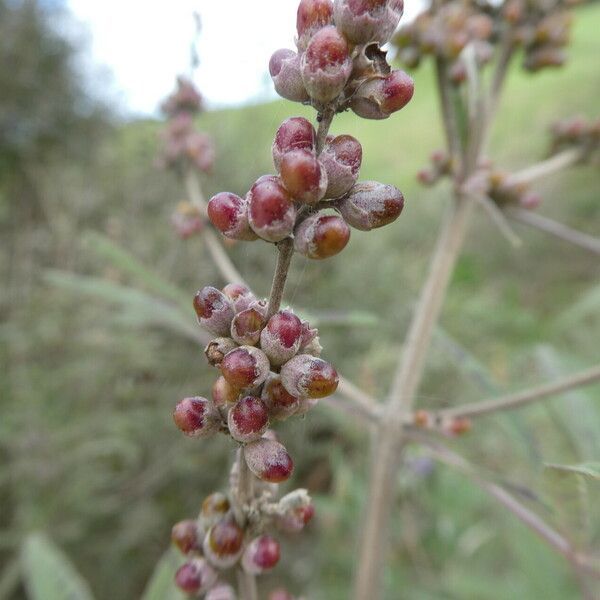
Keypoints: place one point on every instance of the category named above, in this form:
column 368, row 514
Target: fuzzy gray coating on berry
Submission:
column 281, row 338
column 268, row 460
column 214, row 310
column 284, row 68
column 364, row 21
column 248, row 419
column 307, row 376
column 341, row 158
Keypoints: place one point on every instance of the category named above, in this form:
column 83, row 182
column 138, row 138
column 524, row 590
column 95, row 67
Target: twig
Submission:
column 519, row 399
column 560, row 161
column 362, row 402
column 284, row 259
column 499, row 219
column 448, row 113
column 325, row 120
column 559, row 230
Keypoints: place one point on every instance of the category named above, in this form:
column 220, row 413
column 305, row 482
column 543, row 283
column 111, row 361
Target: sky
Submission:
column 146, row 44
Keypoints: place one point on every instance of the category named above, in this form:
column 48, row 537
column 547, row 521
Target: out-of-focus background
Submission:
column 95, row 333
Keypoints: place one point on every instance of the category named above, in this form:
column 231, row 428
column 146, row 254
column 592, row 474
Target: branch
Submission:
column 564, row 159
column 499, row 219
column 520, row 399
column 284, row 260
column 556, row 540
column 448, row 113
column 363, row 404
column 559, row 230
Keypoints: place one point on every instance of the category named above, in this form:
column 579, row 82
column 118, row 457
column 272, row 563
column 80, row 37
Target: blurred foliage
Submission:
column 95, row 349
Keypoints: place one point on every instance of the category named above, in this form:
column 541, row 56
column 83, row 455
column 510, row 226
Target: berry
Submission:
column 284, row 68
column 271, row 212
column 312, row 15
column 223, row 543
column 295, row 133
column 379, row 98
column 229, row 214
column 321, row 236
column 195, row 577
column 223, row 393
column 248, row 419
column 246, row 326
column 185, row 536
column 240, row 295
column 196, row 417
column 281, row 338
column 326, row 65
column 214, row 508
column 217, row 349
column 370, row 204
column 280, row 403
column 341, row 157
column 261, row 554
column 303, row 176
column 363, row 21
column 268, row 460
column 245, row 366
column 214, row 310
column 306, row 376
column 297, row 510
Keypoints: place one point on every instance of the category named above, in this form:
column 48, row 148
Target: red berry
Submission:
column 268, row 460
column 185, row 536
column 223, row 393
column 223, row 543
column 284, row 68
column 271, row 212
column 262, row 554
column 245, row 366
column 248, row 419
column 196, row 417
column 312, row 15
column 229, row 214
column 342, row 158
column 303, row 176
column 281, row 338
column 279, row 401
column 240, row 295
column 297, row 510
column 307, row 376
column 214, row 310
column 379, row 98
column 195, row 577
column 295, row 133
column 321, row 236
column 363, row 21
column 246, row 326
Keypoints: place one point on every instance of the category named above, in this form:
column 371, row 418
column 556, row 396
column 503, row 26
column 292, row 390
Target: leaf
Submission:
column 591, row 470
column 161, row 585
column 48, row 574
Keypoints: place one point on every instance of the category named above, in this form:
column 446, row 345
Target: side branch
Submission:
column 564, row 159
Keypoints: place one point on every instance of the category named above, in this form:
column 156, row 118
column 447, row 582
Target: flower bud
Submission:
column 379, row 98
column 281, row 338
column 196, row 417
column 214, row 310
column 303, row 176
column 248, row 419
column 261, row 554
column 223, row 393
column 326, row 65
column 221, row 591
column 186, row 536
column 268, row 460
column 370, row 205
column 271, row 212
column 363, row 21
column 321, row 236
column 223, row 543
column 195, row 577
column 280, row 403
column 295, row 133
column 229, row 214
column 306, row 376
column 296, row 511
column 341, row 157
column 284, row 68
column 246, row 327
column 245, row 366
column 214, row 508
column 240, row 295
column 217, row 349
column 312, row 15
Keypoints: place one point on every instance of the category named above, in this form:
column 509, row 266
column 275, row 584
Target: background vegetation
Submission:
column 91, row 364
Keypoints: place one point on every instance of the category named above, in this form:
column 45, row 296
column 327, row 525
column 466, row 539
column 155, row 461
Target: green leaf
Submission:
column 591, row 470
column 48, row 574
column 161, row 585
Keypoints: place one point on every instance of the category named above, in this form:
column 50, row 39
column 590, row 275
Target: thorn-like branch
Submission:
column 499, row 219
column 564, row 159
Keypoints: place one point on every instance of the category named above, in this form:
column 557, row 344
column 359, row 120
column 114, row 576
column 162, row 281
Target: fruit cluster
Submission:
column 215, row 541
column 270, row 370
column 576, row 132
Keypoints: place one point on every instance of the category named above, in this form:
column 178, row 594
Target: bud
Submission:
column 223, row 543
column 295, row 133
column 248, row 419
column 214, row 508
column 214, row 310
column 312, row 15
column 363, row 21
column 326, row 65
column 195, row 577
column 310, row 343
column 303, row 176
column 268, row 460
column 378, row 98
column 217, row 349
column 185, row 536
column 341, row 157
column 246, row 327
column 321, row 236
column 280, row 403
column 370, row 205
column 306, row 376
column 284, row 68
column 223, row 393
column 271, row 212
column 281, row 338
column 221, row 591
column 245, row 366
column 196, row 417
column 229, row 214
column 261, row 554
column 240, row 295
column 297, row 510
